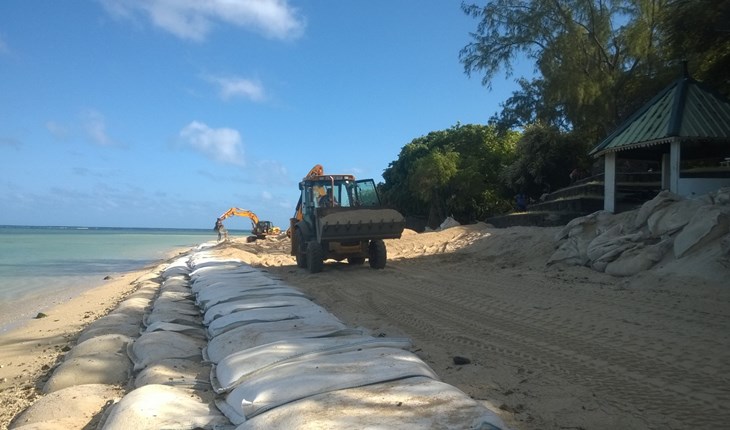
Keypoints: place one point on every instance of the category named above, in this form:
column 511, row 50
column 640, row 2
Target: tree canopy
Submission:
column 451, row 172
column 596, row 60
column 595, row 63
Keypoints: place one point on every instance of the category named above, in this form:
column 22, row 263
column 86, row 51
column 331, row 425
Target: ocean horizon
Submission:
column 44, row 265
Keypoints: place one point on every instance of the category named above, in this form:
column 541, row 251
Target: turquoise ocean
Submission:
column 42, row 266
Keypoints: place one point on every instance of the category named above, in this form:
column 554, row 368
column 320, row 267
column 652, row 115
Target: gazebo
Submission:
column 685, row 129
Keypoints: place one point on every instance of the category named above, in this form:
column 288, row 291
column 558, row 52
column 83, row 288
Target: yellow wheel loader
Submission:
column 339, row 217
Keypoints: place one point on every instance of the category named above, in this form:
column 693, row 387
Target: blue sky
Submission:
column 159, row 113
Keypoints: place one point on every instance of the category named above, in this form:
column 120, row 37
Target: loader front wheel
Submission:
column 377, row 254
column 315, row 256
column 299, row 247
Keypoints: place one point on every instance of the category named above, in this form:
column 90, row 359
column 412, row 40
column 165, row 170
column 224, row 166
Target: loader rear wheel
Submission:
column 377, row 253
column 299, row 247
column 315, row 256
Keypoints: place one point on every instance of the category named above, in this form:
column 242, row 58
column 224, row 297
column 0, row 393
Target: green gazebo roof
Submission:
column 686, row 110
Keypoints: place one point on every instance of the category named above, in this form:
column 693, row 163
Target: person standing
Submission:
column 222, row 232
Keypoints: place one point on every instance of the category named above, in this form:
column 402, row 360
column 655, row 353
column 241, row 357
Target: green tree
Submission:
column 430, row 180
column 451, row 172
column 544, row 158
column 527, row 106
column 699, row 32
column 589, row 65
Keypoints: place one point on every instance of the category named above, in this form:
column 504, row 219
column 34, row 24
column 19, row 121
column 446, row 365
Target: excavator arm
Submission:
column 240, row 212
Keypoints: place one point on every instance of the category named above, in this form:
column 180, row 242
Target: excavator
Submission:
column 261, row 229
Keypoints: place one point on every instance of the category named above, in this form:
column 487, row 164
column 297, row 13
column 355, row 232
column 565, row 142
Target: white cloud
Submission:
column 232, row 86
column 273, row 173
column 193, row 19
column 59, row 131
column 94, row 126
column 220, row 144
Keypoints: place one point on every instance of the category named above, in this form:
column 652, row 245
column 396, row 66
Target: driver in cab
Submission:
column 327, row 199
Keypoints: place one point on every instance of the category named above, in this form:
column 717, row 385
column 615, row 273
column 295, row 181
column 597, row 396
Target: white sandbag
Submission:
column 670, row 219
column 112, row 368
column 639, row 259
column 201, row 260
column 298, row 379
column 114, row 323
column 230, row 371
column 153, row 275
column 237, row 319
column 722, row 196
column 604, row 242
column 69, row 408
column 134, row 306
column 146, row 291
column 661, row 200
column 155, row 407
column 170, row 316
column 175, row 371
column 217, row 269
column 243, row 304
column 179, row 289
column 179, row 280
column 585, row 225
column 252, row 335
column 208, row 259
column 182, row 308
column 212, row 296
column 196, row 331
column 176, row 270
column 572, row 251
column 707, row 224
column 105, row 343
column 407, row 404
column 160, row 345
column 266, row 294
column 209, row 278
column 232, row 278
column 173, row 295
column 448, row 223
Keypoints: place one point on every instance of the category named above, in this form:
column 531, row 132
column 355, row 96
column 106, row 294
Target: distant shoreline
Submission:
column 16, row 313
column 81, row 227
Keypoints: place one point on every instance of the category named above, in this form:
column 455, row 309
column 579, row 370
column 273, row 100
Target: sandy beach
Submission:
column 30, row 351
column 547, row 346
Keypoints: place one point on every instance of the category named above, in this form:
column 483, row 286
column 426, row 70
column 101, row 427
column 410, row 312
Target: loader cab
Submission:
column 330, row 192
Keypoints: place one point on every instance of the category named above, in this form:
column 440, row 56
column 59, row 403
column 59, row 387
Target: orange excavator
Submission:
column 260, row 230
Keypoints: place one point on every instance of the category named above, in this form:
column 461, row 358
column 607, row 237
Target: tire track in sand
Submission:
column 625, row 366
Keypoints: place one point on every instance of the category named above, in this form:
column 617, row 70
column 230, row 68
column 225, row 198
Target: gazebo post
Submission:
column 674, row 154
column 609, row 182
column 666, row 176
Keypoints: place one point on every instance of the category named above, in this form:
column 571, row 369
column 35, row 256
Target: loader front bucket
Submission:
column 360, row 224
